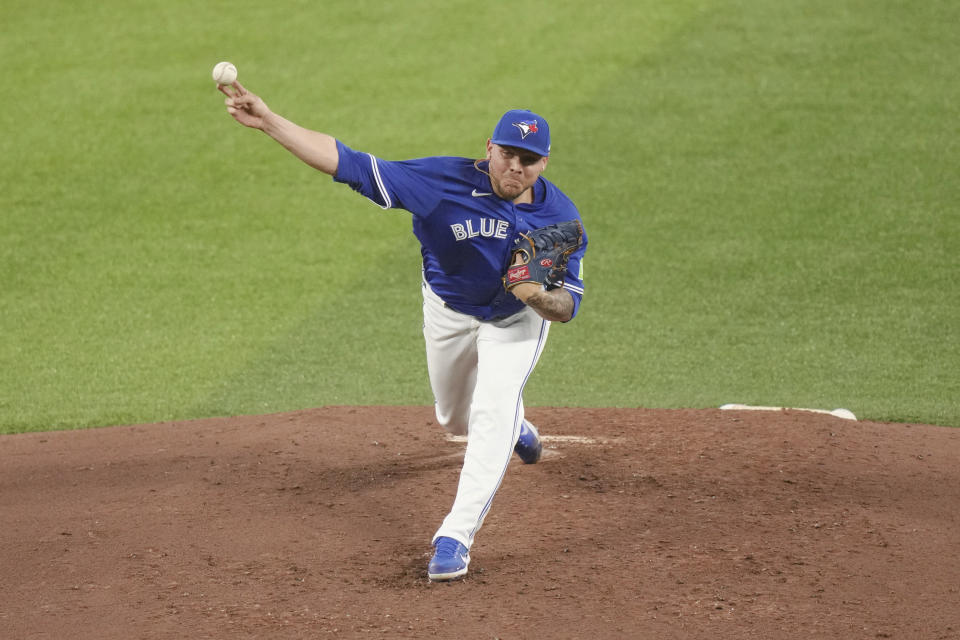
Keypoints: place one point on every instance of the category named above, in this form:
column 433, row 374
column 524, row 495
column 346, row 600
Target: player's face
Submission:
column 513, row 171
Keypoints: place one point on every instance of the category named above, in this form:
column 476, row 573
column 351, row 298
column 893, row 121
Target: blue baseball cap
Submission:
column 523, row 129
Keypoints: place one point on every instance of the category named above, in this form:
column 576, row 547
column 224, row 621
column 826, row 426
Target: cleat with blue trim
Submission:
column 449, row 561
column 528, row 446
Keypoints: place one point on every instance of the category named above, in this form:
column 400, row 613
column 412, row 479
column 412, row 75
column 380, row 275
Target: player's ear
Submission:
column 489, row 149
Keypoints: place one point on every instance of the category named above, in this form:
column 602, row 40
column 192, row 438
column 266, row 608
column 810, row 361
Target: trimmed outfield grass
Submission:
column 770, row 190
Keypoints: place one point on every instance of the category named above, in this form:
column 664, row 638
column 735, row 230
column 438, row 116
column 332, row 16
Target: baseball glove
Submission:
column 541, row 255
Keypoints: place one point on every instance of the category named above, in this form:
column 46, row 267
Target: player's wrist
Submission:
column 525, row 290
column 270, row 123
column 555, row 305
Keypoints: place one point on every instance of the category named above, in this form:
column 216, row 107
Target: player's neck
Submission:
column 524, row 198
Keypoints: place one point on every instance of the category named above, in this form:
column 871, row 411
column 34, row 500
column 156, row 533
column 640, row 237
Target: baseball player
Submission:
column 502, row 249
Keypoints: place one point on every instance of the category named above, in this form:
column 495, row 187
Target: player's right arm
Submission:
column 318, row 150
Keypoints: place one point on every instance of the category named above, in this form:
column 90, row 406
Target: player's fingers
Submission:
column 239, row 103
column 227, row 90
column 240, row 88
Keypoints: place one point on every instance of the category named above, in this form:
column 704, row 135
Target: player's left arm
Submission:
column 546, row 270
column 555, row 305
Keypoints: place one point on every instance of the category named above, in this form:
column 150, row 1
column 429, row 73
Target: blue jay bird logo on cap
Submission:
column 526, row 127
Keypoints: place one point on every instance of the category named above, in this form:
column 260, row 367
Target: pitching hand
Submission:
column 246, row 108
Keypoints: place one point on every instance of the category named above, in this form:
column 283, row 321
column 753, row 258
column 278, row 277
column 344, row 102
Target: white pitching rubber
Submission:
column 845, row 414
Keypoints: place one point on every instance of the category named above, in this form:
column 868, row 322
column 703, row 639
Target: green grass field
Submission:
column 770, row 188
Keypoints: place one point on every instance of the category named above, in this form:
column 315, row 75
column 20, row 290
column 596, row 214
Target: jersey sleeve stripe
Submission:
column 387, row 203
column 573, row 288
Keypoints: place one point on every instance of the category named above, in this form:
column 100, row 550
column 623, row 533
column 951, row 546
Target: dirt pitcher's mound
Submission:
column 650, row 524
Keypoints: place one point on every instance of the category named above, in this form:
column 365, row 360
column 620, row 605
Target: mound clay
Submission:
column 636, row 524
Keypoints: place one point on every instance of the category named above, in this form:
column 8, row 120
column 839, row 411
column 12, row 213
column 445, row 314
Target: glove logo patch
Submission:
column 546, row 262
column 518, row 274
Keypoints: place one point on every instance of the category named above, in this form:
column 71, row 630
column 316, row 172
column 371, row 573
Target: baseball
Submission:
column 225, row 73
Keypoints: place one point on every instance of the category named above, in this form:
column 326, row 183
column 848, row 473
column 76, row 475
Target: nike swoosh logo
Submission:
column 477, row 194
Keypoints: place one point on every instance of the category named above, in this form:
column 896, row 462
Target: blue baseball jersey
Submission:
column 466, row 232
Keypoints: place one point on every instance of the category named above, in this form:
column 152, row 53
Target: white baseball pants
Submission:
column 477, row 372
